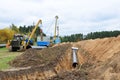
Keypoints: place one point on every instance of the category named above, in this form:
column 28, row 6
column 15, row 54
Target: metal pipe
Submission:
column 74, row 58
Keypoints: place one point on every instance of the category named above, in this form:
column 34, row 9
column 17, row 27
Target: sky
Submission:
column 75, row 16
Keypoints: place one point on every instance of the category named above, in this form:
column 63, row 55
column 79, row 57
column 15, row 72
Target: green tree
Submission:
column 72, row 38
column 13, row 27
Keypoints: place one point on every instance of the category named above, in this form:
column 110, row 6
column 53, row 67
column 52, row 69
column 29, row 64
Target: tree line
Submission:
column 28, row 29
column 72, row 38
column 7, row 33
column 92, row 35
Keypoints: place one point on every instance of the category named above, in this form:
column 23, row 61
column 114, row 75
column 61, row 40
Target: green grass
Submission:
column 4, row 62
column 3, row 48
column 2, row 51
column 5, row 57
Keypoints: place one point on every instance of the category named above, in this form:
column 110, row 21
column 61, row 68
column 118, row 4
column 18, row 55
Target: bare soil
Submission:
column 98, row 60
column 33, row 57
column 71, row 75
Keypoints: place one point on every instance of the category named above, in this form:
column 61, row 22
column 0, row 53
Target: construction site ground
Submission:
column 98, row 59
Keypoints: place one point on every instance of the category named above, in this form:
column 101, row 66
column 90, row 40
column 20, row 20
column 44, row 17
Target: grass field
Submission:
column 5, row 57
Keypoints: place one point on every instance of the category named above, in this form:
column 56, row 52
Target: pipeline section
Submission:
column 74, row 57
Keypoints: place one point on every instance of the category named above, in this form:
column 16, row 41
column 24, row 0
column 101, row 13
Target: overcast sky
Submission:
column 75, row 16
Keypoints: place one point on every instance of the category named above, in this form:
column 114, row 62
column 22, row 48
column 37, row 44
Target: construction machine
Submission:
column 56, row 38
column 43, row 41
column 19, row 42
column 28, row 43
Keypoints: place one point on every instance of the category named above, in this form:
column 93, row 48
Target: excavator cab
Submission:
column 17, row 43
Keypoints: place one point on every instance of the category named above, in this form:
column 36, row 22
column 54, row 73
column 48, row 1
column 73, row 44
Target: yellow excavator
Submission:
column 28, row 44
column 19, row 43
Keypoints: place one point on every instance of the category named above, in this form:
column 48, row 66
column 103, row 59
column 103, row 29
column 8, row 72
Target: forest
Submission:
column 7, row 34
column 92, row 35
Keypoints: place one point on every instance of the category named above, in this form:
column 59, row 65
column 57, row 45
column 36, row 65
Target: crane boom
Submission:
column 33, row 31
column 56, row 17
column 56, row 38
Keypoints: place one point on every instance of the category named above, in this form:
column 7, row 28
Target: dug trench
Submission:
column 97, row 60
column 39, row 64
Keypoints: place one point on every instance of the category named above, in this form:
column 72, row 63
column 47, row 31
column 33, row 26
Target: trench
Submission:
column 41, row 72
column 98, row 58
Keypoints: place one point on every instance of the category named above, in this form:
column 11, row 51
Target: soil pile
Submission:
column 101, row 49
column 108, row 70
column 71, row 75
column 29, row 58
column 33, row 57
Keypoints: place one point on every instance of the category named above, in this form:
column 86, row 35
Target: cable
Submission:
column 49, row 26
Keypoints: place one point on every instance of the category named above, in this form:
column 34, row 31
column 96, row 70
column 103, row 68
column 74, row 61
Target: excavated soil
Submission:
column 71, row 75
column 97, row 60
column 108, row 70
column 34, row 57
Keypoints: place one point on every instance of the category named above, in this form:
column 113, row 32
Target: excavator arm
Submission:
column 33, row 31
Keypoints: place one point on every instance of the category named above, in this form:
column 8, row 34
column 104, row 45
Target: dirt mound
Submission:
column 28, row 58
column 45, row 56
column 101, row 49
column 108, row 70
column 71, row 75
